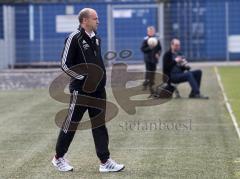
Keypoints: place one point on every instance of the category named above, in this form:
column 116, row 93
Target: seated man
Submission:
column 176, row 68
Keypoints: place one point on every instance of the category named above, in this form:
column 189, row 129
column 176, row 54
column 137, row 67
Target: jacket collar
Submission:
column 82, row 30
column 91, row 35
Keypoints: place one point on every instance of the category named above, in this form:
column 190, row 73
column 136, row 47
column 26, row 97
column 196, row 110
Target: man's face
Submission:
column 92, row 22
column 150, row 32
column 176, row 46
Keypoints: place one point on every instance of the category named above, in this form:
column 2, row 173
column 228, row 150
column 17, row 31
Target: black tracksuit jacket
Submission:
column 81, row 49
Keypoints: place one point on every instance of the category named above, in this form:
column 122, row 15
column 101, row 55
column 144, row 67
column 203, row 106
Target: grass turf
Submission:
column 207, row 147
column 231, row 81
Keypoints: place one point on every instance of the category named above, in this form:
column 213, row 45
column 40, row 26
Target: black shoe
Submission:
column 191, row 95
column 145, row 85
column 198, row 96
column 151, row 90
column 152, row 93
column 152, row 96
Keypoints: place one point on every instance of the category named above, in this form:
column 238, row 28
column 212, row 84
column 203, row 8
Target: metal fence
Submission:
column 209, row 30
column 35, row 33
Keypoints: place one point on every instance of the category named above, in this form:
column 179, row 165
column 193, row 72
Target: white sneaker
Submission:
column 61, row 164
column 111, row 166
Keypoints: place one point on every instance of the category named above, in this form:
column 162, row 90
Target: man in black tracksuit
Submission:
column 151, row 56
column 83, row 47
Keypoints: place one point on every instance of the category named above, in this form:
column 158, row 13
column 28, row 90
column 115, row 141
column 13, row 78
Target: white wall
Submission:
column 7, row 45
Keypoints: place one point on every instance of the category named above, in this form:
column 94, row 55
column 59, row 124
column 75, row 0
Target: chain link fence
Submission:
column 34, row 33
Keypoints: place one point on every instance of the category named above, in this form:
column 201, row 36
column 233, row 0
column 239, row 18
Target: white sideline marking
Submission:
column 229, row 108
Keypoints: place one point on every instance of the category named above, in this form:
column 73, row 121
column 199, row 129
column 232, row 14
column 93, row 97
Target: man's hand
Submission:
column 151, row 46
column 178, row 59
column 157, row 55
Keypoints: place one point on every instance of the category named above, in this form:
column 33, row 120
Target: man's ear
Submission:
column 85, row 20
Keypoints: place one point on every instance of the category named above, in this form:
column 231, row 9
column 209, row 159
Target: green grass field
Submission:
column 231, row 81
column 206, row 146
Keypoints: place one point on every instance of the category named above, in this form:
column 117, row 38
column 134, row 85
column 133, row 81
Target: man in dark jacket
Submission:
column 177, row 69
column 83, row 47
column 151, row 56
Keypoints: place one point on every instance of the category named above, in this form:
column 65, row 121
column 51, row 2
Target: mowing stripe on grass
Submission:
column 228, row 105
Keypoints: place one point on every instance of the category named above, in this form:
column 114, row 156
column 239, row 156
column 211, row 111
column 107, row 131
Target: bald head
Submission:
column 88, row 19
column 85, row 13
column 175, row 45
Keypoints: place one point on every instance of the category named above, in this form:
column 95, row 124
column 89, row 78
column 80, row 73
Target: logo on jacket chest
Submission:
column 85, row 45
